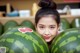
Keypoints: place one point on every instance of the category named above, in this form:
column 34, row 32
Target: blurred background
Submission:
column 20, row 10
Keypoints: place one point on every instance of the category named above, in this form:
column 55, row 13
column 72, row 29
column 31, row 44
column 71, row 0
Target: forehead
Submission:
column 47, row 20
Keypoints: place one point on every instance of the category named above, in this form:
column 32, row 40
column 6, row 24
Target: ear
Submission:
column 59, row 27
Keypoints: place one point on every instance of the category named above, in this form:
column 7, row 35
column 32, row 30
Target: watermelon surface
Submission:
column 28, row 24
column 76, row 23
column 23, row 40
column 64, row 24
column 10, row 24
column 67, row 42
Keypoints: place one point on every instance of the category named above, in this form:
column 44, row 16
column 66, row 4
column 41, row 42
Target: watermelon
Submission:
column 64, row 24
column 1, row 28
column 10, row 24
column 28, row 23
column 67, row 42
column 23, row 40
column 75, row 23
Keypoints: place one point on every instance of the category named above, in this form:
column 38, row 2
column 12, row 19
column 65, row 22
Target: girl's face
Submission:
column 47, row 28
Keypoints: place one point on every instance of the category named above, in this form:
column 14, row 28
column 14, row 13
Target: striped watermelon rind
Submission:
column 67, row 42
column 10, row 24
column 28, row 23
column 64, row 24
column 17, row 42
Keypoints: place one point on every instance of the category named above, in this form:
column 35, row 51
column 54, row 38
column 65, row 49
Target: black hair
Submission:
column 48, row 7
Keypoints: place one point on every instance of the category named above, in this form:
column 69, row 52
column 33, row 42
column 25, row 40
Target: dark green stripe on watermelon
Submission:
column 29, row 42
column 28, row 23
column 67, row 42
column 10, row 24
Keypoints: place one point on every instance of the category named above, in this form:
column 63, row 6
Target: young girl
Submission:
column 47, row 20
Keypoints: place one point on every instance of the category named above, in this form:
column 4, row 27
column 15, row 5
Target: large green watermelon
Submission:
column 67, row 42
column 23, row 40
column 64, row 24
column 75, row 23
column 10, row 24
column 28, row 23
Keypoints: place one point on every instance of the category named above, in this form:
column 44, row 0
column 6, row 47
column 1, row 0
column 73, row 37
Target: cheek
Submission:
column 54, row 32
column 39, row 31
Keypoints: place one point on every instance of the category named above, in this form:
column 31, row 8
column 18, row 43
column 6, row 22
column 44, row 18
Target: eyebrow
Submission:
column 40, row 24
column 52, row 25
column 43, row 25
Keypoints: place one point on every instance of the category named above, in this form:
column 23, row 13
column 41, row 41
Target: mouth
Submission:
column 46, row 37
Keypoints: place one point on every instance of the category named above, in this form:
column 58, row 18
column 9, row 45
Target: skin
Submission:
column 47, row 28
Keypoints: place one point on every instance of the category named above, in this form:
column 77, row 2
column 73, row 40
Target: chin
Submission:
column 48, row 41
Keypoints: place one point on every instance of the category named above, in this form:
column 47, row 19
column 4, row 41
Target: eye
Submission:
column 52, row 27
column 41, row 27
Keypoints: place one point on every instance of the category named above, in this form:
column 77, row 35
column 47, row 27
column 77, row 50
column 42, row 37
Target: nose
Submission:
column 46, row 32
